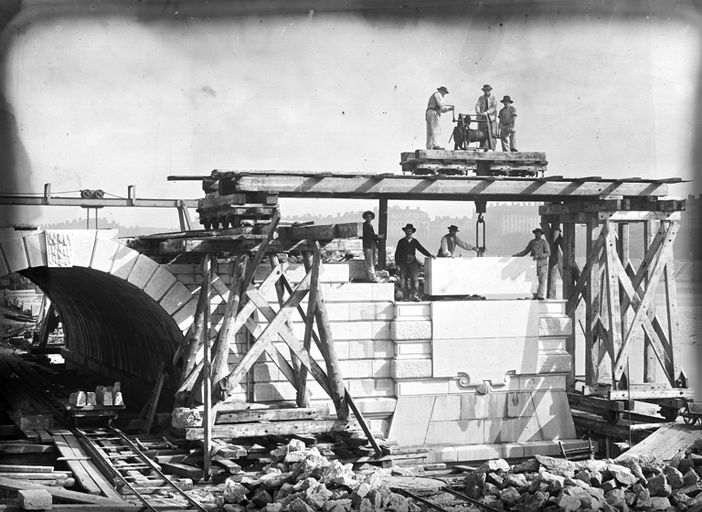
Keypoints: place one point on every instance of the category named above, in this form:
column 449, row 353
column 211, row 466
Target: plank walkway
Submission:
column 666, row 441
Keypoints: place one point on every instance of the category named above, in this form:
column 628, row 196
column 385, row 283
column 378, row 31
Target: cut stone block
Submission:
column 124, row 260
column 553, row 414
column 104, row 250
column 411, row 330
column 412, row 311
column 34, row 499
column 411, row 368
column 12, row 246
column 176, row 297
column 492, row 277
column 475, row 406
column 447, row 408
column 422, row 387
column 485, row 319
column 412, row 348
column 541, row 382
column 519, row 404
column 512, row 430
column 36, row 249
column 411, row 420
column 141, row 272
column 455, row 432
column 555, row 326
column 160, row 283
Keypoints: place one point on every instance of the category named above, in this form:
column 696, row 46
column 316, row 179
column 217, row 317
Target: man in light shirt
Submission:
column 539, row 250
column 486, row 107
column 435, row 108
column 450, row 241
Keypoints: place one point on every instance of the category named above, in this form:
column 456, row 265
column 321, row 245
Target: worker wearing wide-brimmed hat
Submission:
column 507, row 117
column 370, row 244
column 486, row 107
column 435, row 108
column 539, row 250
column 450, row 241
column 406, row 260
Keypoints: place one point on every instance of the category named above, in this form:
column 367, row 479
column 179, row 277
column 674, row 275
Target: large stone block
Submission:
column 555, row 326
column 159, row 283
column 455, row 432
column 512, row 430
column 141, row 272
column 412, row 348
column 553, row 414
column 176, row 297
column 493, row 277
column 411, row 420
column 447, row 408
column 35, row 243
column 541, row 382
column 411, row 329
column 471, row 452
column 475, row 406
column 411, row 369
column 106, row 246
column 13, row 249
column 34, row 499
column 422, row 387
column 485, row 319
column 412, row 311
column 124, row 260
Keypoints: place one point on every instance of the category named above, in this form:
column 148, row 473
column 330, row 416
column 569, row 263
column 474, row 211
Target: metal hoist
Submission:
column 480, row 226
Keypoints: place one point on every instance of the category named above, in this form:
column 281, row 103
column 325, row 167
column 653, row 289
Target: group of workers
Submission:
column 502, row 122
column 408, row 266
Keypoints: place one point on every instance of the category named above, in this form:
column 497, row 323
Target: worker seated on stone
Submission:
column 539, row 250
column 450, row 241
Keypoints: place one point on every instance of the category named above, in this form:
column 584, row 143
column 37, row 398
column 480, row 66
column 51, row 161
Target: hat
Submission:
column 537, row 230
column 442, row 88
column 452, row 227
column 368, row 212
column 506, row 99
column 487, row 87
column 409, row 226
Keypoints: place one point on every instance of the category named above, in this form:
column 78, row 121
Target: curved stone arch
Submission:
column 123, row 312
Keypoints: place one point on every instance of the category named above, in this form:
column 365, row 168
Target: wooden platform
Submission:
column 666, row 441
column 479, row 162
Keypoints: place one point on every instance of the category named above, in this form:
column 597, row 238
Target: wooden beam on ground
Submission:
column 274, row 428
column 58, row 492
column 639, row 393
column 283, row 414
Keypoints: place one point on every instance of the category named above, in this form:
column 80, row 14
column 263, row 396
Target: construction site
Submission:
column 246, row 361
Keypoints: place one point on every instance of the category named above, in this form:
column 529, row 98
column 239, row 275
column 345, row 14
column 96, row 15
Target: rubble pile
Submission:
column 558, row 485
column 301, row 479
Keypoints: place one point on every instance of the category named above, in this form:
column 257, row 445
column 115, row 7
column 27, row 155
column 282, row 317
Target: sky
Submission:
column 106, row 101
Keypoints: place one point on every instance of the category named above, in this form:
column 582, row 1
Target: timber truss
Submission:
column 206, row 373
column 612, row 299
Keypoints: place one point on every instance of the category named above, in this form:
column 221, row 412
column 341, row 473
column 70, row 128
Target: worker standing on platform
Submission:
column 486, row 106
column 450, row 241
column 507, row 119
column 435, row 108
column 406, row 260
column 539, row 250
column 370, row 243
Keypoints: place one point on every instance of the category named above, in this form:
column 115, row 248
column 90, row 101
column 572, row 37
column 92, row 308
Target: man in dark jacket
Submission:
column 370, row 241
column 406, row 260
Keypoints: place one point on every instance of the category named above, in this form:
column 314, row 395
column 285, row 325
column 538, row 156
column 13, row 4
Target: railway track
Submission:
column 135, row 475
column 448, row 499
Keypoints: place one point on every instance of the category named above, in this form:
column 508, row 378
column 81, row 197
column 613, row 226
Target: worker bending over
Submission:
column 539, row 250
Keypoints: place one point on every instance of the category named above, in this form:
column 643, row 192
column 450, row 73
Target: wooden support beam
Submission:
column 568, row 278
column 226, row 335
column 649, row 240
column 280, row 294
column 271, row 332
column 382, row 231
column 207, row 417
column 419, row 187
column 592, row 305
column 328, row 351
column 662, row 258
column 194, row 337
column 673, row 322
column 612, row 276
column 301, row 397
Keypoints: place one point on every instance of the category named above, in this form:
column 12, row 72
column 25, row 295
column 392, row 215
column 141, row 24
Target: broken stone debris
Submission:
column 301, row 479
column 557, row 485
